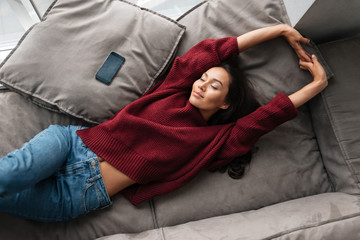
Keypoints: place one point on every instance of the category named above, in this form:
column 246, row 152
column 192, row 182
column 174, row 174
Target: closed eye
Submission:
column 216, row 83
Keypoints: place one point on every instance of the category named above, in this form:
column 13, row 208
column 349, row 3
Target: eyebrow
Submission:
column 217, row 80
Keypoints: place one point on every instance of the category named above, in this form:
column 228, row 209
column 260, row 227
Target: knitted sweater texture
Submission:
column 162, row 142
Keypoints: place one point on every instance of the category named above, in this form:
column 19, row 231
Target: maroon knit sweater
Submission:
column 162, row 142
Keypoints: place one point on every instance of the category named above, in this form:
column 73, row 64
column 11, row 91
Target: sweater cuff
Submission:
column 284, row 103
column 235, row 45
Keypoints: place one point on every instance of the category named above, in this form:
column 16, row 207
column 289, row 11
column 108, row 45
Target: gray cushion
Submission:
column 57, row 60
column 338, row 128
column 21, row 120
column 288, row 162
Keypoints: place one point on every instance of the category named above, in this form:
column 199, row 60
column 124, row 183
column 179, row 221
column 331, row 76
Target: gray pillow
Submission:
column 56, row 61
column 288, row 163
column 21, row 120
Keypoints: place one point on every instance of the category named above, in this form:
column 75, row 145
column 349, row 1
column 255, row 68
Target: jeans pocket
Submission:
column 89, row 198
column 93, row 196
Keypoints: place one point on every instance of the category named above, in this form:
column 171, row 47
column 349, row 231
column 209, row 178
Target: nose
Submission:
column 202, row 86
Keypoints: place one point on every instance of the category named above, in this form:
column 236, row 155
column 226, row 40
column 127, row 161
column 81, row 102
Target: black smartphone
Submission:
column 110, row 67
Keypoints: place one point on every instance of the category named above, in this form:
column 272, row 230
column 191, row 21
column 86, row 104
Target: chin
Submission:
column 193, row 101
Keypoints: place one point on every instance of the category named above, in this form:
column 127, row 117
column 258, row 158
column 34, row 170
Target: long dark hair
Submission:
column 243, row 101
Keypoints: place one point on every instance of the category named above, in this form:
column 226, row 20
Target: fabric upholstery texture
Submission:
column 287, row 163
column 21, row 120
column 121, row 217
column 338, row 128
column 57, row 59
column 324, row 216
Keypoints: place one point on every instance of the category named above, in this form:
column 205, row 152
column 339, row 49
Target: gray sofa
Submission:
column 304, row 180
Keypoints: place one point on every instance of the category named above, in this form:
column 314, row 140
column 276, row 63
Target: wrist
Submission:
column 284, row 29
column 306, row 93
column 315, row 88
column 320, row 82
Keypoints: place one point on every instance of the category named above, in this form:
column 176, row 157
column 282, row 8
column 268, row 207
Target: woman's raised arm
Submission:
column 252, row 38
column 307, row 62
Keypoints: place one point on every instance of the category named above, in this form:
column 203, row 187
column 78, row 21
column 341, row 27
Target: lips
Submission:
column 197, row 94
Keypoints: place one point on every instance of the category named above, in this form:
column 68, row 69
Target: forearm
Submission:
column 257, row 36
column 251, row 127
column 306, row 93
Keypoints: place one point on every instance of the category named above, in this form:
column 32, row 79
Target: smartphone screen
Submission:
column 110, row 68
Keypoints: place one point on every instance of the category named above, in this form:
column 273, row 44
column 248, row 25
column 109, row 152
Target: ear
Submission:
column 225, row 106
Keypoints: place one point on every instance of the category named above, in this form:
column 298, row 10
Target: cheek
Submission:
column 216, row 98
column 195, row 84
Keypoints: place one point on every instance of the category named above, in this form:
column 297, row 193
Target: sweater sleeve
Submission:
column 250, row 128
column 204, row 55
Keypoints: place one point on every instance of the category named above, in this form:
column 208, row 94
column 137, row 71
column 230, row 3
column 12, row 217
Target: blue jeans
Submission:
column 53, row 177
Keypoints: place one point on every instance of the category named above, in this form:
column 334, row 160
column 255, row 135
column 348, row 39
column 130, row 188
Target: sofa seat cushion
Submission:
column 57, row 60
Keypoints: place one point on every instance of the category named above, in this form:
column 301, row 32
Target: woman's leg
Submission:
column 36, row 160
column 76, row 188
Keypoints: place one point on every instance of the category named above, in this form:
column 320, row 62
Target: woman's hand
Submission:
column 316, row 86
column 295, row 39
column 316, row 70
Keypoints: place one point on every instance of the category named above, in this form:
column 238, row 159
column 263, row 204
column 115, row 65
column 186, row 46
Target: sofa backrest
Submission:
column 338, row 127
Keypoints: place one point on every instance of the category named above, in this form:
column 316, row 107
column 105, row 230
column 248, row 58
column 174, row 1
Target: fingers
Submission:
column 314, row 58
column 305, row 65
column 316, row 70
column 296, row 39
column 302, row 67
column 304, row 40
column 303, row 55
column 309, row 65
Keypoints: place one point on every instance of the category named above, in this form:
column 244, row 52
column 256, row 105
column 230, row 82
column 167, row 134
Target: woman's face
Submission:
column 209, row 92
